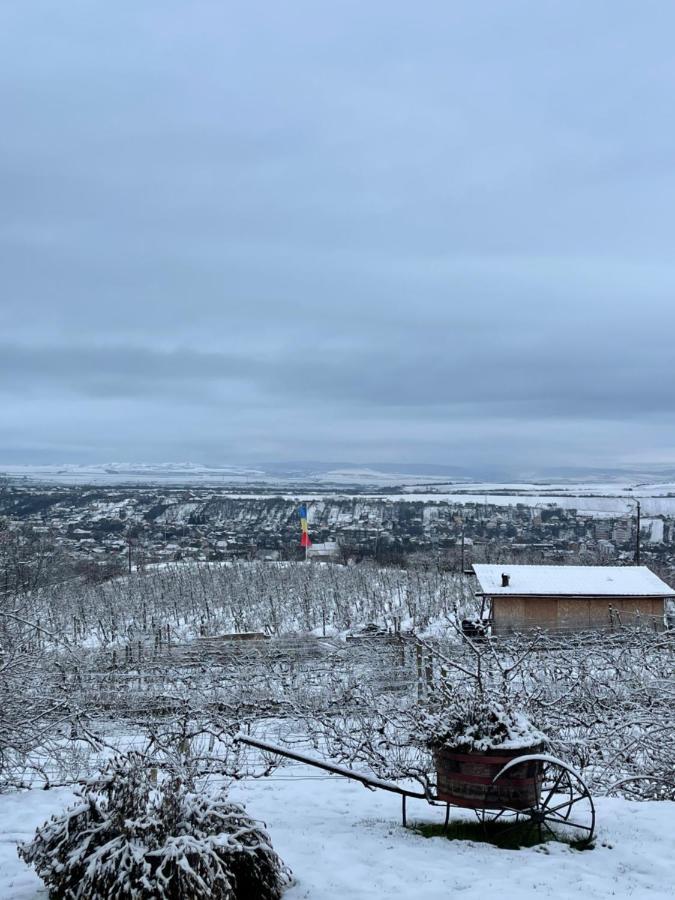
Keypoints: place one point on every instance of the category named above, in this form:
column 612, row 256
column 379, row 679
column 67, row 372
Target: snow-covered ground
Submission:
column 597, row 506
column 601, row 499
column 194, row 473
column 343, row 841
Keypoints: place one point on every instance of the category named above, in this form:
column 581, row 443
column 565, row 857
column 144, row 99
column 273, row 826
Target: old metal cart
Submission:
column 535, row 794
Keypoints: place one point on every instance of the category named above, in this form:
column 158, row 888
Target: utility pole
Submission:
column 637, row 536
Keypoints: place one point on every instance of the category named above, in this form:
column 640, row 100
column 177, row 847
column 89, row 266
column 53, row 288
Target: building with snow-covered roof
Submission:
column 571, row 598
column 329, row 550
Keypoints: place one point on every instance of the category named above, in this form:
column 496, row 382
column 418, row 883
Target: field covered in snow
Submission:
column 343, row 841
column 607, row 497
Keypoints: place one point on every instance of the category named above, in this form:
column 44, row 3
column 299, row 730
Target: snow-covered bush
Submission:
column 484, row 713
column 127, row 838
column 480, row 727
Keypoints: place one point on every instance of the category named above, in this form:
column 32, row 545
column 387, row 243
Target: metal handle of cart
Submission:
column 367, row 781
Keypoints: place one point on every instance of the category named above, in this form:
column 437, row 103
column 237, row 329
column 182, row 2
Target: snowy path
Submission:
column 343, row 841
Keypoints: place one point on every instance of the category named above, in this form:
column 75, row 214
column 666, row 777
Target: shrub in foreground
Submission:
column 127, row 838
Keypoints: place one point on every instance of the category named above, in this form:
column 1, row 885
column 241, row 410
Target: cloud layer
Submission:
column 377, row 232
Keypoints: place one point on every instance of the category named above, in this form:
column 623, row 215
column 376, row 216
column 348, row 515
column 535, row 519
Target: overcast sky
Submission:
column 367, row 231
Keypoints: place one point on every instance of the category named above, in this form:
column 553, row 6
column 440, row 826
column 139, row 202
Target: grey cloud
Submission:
column 549, row 381
column 115, row 371
column 443, row 229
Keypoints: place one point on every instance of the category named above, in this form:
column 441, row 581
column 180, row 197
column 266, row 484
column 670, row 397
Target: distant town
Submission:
column 106, row 529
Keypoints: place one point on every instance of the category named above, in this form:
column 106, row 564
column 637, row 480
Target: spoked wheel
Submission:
column 502, row 824
column 563, row 809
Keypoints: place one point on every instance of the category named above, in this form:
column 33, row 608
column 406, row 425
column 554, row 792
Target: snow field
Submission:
column 344, row 841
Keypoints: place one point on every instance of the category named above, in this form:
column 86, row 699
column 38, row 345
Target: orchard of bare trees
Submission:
column 88, row 669
column 215, row 598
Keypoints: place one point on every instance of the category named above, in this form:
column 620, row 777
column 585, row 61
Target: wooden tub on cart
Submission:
column 523, row 789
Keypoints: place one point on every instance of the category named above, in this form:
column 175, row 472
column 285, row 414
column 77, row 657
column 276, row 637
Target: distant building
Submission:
column 622, row 532
column 571, row 598
column 654, row 529
column 603, row 530
column 330, row 550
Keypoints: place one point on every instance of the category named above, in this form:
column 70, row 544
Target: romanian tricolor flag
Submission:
column 304, row 540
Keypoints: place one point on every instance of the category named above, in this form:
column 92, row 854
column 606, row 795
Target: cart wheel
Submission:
column 564, row 810
column 643, row 787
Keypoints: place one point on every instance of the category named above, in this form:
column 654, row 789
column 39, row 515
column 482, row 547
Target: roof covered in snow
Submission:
column 327, row 547
column 571, row 581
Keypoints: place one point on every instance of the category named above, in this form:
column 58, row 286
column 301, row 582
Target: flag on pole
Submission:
column 304, row 539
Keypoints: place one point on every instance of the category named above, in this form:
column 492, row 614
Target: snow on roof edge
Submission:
column 576, row 581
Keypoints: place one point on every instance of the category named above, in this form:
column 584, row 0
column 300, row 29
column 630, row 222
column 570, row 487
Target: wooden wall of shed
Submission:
column 631, row 610
column 568, row 613
column 575, row 613
column 541, row 612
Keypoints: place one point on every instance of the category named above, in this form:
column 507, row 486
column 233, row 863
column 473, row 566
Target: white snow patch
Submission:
column 342, row 840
